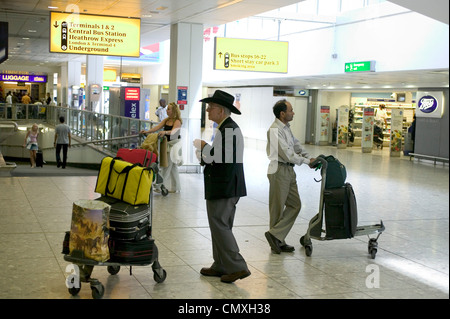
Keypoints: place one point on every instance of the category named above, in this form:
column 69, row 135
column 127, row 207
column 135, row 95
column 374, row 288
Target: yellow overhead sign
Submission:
column 251, row 55
column 93, row 34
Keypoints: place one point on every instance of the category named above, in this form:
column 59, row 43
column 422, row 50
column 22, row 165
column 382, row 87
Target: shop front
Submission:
column 20, row 84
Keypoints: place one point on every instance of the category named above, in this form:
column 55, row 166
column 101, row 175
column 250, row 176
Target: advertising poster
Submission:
column 132, row 98
column 367, row 130
column 324, row 124
column 342, row 129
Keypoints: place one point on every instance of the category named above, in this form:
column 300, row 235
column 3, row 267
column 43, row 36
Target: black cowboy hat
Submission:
column 222, row 98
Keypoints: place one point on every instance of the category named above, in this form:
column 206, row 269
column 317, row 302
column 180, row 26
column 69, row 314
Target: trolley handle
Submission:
column 320, row 163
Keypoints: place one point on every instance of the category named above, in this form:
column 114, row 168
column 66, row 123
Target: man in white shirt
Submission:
column 161, row 111
column 284, row 152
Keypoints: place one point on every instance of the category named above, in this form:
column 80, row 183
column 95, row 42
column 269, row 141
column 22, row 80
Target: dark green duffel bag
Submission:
column 336, row 173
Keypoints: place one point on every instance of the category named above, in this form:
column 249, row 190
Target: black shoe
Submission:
column 58, row 165
column 287, row 248
column 63, row 167
column 273, row 242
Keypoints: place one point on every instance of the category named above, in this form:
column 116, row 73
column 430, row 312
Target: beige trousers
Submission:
column 284, row 201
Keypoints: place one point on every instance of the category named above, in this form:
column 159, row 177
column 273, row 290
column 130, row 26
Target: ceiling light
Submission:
column 161, row 8
column 146, row 16
column 52, row 7
column 226, row 4
column 32, row 31
column 25, row 38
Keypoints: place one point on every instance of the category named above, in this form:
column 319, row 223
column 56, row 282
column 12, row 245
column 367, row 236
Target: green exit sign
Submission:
column 364, row 66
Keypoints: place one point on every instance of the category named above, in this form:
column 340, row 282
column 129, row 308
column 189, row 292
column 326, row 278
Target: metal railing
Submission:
column 109, row 131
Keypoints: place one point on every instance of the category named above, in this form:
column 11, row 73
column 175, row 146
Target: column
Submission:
column 186, row 60
column 70, row 76
column 94, row 75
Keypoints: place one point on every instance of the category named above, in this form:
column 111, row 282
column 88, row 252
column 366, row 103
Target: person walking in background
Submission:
column 224, row 185
column 49, row 99
column 63, row 140
column 284, row 152
column 31, row 143
column 161, row 111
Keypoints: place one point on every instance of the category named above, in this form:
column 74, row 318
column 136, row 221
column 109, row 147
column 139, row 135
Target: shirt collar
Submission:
column 218, row 126
column 281, row 124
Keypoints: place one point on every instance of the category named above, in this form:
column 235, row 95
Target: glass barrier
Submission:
column 109, row 131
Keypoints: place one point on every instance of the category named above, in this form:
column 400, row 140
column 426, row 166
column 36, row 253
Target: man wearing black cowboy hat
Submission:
column 224, row 185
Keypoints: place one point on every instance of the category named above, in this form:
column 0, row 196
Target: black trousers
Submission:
column 64, row 147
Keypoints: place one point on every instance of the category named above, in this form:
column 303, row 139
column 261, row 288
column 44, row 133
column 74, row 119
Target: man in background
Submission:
column 62, row 140
column 161, row 111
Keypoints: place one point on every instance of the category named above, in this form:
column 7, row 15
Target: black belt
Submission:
column 288, row 164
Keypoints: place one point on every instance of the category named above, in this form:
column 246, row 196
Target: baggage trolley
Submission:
column 86, row 266
column 378, row 136
column 318, row 219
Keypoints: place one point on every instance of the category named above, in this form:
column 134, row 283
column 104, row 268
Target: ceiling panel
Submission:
column 31, row 49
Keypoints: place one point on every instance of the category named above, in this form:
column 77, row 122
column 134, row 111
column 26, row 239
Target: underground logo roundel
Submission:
column 428, row 104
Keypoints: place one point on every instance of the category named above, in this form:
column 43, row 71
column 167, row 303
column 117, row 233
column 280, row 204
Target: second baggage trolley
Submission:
column 340, row 219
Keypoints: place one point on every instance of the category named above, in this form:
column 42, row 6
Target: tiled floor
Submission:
column 412, row 199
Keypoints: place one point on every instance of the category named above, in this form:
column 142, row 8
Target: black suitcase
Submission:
column 39, row 159
column 132, row 252
column 341, row 215
column 128, row 222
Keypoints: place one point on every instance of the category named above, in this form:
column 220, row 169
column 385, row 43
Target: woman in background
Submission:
column 31, row 143
column 171, row 129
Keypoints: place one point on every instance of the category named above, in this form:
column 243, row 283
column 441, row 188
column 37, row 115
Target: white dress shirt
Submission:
column 282, row 146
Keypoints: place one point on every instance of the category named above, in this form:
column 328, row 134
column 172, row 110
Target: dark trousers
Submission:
column 227, row 258
column 65, row 147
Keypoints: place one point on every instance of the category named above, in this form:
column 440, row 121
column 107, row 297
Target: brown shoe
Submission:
column 235, row 276
column 210, row 272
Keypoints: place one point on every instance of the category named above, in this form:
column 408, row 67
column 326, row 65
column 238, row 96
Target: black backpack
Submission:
column 336, row 173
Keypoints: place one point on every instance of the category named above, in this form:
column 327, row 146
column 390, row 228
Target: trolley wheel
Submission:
column 98, row 290
column 302, row 241
column 308, row 250
column 373, row 253
column 160, row 275
column 71, row 282
column 164, row 190
column 74, row 291
column 113, row 270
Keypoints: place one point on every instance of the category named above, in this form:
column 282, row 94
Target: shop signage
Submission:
column 94, row 34
column 23, row 78
column 251, row 55
column 364, row 66
column 429, row 104
column 132, row 98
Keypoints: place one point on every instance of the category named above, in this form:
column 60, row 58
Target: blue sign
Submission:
column 182, row 95
column 427, row 104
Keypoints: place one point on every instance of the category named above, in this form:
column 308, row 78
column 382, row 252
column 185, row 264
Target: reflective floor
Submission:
column 411, row 197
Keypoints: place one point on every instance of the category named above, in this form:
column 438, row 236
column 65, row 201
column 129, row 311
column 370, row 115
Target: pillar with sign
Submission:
column 185, row 81
column 367, row 130
column 395, row 144
column 324, row 124
column 342, row 127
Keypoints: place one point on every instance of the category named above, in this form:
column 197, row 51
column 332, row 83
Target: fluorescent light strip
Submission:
column 228, row 4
